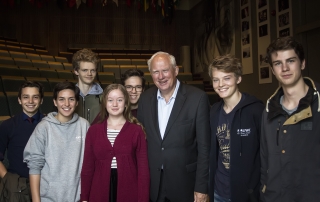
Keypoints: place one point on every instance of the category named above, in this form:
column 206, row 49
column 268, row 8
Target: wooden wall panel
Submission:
column 102, row 27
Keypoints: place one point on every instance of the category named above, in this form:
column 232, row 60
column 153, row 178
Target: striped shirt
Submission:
column 112, row 135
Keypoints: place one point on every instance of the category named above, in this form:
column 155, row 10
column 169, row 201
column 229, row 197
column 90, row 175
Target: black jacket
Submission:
column 244, row 149
column 290, row 149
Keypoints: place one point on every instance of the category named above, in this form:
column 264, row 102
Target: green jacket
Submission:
column 89, row 105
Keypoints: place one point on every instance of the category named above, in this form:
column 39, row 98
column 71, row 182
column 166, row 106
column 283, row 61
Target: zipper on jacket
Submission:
column 88, row 114
column 84, row 107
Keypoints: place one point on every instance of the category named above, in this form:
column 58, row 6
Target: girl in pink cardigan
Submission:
column 115, row 165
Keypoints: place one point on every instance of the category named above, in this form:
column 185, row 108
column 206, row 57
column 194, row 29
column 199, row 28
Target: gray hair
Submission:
column 171, row 58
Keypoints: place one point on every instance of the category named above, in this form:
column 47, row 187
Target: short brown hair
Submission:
column 226, row 63
column 285, row 43
column 84, row 55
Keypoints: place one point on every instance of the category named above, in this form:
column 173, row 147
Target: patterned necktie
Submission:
column 30, row 119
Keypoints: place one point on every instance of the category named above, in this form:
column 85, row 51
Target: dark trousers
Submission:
column 14, row 188
column 162, row 196
column 113, row 185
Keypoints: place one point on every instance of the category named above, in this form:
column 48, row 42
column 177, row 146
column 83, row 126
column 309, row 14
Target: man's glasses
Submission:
column 137, row 88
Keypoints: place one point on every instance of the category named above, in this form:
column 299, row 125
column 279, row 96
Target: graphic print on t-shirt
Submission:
column 223, row 136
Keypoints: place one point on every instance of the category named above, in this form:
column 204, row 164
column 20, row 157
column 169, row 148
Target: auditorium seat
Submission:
column 14, row 106
column 148, row 77
column 123, row 61
column 29, row 72
column 12, row 83
column 15, row 54
column 39, row 47
column 106, row 77
column 143, row 68
column 104, row 84
column 23, row 62
column 198, row 84
column 53, row 82
column 40, row 64
column 45, row 83
column 6, row 60
column 12, row 43
column 4, row 53
column 26, row 45
column 61, row 59
column 67, row 66
column 108, row 62
column 139, row 61
column 7, row 70
column 13, row 48
column 56, row 65
column 124, row 68
column 42, row 52
column 3, row 47
column 65, row 74
column 4, row 109
column 33, row 56
column 181, row 69
column 27, row 50
column 47, row 104
column 47, row 58
column 3, row 118
column 185, row 76
column 112, row 68
column 49, row 73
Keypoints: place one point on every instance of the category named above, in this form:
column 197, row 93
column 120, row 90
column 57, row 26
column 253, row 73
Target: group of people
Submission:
column 165, row 144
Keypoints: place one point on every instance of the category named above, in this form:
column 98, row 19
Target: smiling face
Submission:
column 163, row 74
column 66, row 104
column 225, row 84
column 286, row 66
column 115, row 103
column 86, row 73
column 134, row 88
column 30, row 100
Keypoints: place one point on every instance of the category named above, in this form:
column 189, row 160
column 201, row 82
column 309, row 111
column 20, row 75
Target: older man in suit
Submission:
column 176, row 120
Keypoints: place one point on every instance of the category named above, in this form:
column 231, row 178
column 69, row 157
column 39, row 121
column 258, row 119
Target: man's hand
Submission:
column 199, row 197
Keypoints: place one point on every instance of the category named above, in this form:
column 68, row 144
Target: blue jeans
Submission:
column 218, row 198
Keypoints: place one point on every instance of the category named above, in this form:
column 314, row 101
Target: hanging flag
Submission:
column 129, row 3
column 104, row 2
column 162, row 8
column 116, row 1
column 153, row 5
column 146, row 5
column 89, row 3
column 71, row 3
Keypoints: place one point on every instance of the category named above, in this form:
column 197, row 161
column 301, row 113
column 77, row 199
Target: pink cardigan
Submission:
column 130, row 150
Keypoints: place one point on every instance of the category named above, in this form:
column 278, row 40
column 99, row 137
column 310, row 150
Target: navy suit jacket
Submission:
column 184, row 149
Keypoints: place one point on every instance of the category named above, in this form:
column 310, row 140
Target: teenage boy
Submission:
column 14, row 135
column 235, row 134
column 54, row 152
column 85, row 64
column 290, row 135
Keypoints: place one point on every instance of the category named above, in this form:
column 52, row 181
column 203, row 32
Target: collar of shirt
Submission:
column 173, row 96
column 35, row 117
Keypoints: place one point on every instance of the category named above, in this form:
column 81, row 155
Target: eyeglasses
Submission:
column 137, row 88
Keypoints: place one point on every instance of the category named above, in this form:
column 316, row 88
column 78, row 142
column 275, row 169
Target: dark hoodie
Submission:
column 290, row 149
column 244, row 149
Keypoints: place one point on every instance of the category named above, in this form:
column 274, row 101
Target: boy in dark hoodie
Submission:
column 235, row 136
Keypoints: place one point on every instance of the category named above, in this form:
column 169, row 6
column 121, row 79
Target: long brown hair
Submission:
column 127, row 110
